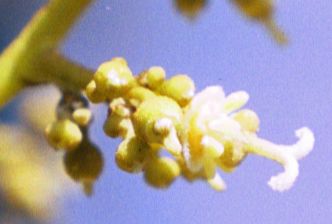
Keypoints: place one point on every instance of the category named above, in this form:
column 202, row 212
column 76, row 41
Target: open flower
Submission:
column 216, row 135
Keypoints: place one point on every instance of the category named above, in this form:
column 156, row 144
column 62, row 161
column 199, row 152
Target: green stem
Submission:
column 65, row 73
column 31, row 58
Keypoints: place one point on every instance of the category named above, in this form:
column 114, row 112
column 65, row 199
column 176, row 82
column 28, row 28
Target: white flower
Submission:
column 210, row 125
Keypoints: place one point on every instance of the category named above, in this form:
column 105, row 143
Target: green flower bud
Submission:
column 84, row 165
column 190, row 8
column 161, row 172
column 262, row 10
column 82, row 116
column 180, row 88
column 93, row 94
column 119, row 107
column 248, row 120
column 114, row 78
column 116, row 126
column 152, row 78
column 256, row 9
column 231, row 158
column 131, row 155
column 157, row 122
column 139, row 94
column 63, row 134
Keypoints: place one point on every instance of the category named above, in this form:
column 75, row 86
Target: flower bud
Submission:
column 63, row 134
column 84, row 165
column 139, row 94
column 93, row 94
column 161, row 172
column 119, row 107
column 114, row 78
column 248, row 120
column 190, row 8
column 152, row 78
column 116, row 126
column 180, row 88
column 232, row 156
column 255, row 9
column 82, row 116
column 153, row 117
column 131, row 154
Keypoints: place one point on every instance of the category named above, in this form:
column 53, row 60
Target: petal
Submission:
column 235, row 101
column 217, row 183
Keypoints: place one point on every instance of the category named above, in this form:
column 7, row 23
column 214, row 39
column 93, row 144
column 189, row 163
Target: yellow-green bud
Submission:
column 63, row 134
column 84, row 165
column 161, row 172
column 231, row 157
column 82, row 116
column 139, row 94
column 255, row 9
column 190, row 8
column 119, row 107
column 152, row 78
column 180, row 88
column 248, row 120
column 93, row 94
column 116, row 126
column 114, row 78
column 155, row 115
column 131, row 154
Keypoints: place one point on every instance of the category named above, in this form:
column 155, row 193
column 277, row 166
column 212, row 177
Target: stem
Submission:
column 51, row 23
column 65, row 73
column 31, row 58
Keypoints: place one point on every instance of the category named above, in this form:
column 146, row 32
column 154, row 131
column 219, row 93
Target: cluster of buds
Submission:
column 82, row 159
column 200, row 133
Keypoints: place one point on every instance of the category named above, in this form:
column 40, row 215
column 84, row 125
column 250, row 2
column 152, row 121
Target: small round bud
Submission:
column 119, row 107
column 152, row 78
column 93, row 94
column 190, row 8
column 180, row 88
column 139, row 94
column 84, row 165
column 248, row 120
column 151, row 114
column 255, row 9
column 131, row 154
column 114, row 78
column 161, row 172
column 116, row 126
column 232, row 156
column 63, row 134
column 82, row 116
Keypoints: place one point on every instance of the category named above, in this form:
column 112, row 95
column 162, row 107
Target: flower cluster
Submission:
column 201, row 133
column 83, row 161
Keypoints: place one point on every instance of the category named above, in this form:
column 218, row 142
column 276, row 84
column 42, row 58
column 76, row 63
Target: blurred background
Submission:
column 289, row 86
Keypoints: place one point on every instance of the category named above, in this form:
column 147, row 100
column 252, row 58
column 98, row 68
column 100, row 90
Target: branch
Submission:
column 31, row 58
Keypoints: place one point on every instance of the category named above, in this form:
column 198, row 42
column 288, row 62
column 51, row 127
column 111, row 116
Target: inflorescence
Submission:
column 201, row 133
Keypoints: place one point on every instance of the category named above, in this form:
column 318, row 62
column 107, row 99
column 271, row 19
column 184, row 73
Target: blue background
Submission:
column 290, row 87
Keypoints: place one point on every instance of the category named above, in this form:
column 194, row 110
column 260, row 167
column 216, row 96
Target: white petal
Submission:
column 217, row 183
column 172, row 143
column 235, row 101
column 212, row 148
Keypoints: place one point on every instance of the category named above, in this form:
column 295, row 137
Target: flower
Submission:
column 216, row 135
column 201, row 132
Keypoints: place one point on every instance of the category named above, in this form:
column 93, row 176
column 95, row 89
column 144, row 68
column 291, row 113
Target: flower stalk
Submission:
column 32, row 57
